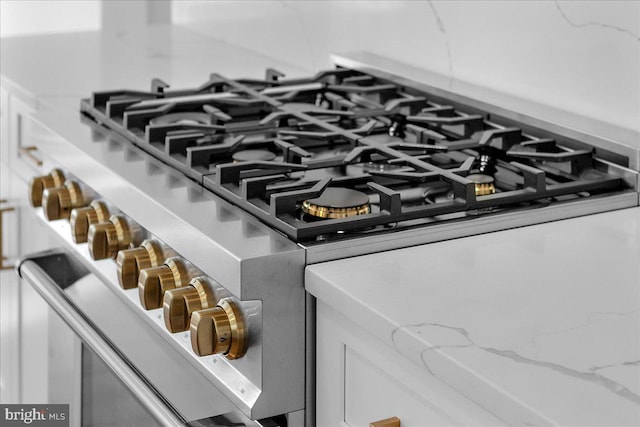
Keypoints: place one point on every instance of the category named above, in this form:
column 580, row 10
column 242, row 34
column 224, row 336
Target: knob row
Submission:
column 90, row 221
column 190, row 302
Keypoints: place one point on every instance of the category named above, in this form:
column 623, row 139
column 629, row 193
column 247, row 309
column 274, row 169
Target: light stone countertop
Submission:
column 55, row 71
column 540, row 325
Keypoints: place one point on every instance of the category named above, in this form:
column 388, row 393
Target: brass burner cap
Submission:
column 484, row 184
column 253, row 155
column 337, row 203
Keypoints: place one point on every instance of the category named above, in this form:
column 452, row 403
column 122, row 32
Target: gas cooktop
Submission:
column 345, row 153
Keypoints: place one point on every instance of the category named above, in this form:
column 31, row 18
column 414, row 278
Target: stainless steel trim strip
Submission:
column 429, row 234
column 43, row 283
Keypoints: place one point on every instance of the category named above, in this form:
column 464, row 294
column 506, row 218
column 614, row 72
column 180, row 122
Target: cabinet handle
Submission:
column 28, row 152
column 4, row 266
column 387, row 422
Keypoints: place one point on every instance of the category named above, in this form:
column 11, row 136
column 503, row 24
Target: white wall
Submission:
column 48, row 16
column 579, row 56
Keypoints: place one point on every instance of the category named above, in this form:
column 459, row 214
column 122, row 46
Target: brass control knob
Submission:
column 180, row 303
column 57, row 202
column 82, row 218
column 219, row 330
column 132, row 261
column 107, row 238
column 39, row 183
column 154, row 282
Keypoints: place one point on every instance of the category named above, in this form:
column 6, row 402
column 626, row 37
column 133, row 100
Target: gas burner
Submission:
column 337, row 203
column 253, row 155
column 484, row 184
column 190, row 118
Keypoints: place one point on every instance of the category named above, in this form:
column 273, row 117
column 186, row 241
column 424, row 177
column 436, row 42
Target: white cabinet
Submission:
column 23, row 318
column 360, row 379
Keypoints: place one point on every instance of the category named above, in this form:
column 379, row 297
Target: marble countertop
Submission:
column 57, row 70
column 540, row 325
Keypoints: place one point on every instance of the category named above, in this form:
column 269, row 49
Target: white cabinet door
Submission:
column 23, row 317
column 360, row 379
column 9, row 291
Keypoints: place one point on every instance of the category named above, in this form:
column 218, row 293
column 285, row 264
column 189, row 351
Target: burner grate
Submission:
column 270, row 145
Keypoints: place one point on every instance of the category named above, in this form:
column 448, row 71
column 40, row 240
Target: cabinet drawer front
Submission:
column 360, row 379
column 371, row 393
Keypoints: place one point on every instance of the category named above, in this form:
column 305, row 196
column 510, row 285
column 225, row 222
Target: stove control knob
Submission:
column 132, row 261
column 57, row 202
column 82, row 218
column 107, row 238
column 40, row 183
column 219, row 330
column 180, row 303
column 154, row 282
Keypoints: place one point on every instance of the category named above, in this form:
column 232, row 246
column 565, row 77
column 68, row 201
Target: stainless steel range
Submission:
column 200, row 208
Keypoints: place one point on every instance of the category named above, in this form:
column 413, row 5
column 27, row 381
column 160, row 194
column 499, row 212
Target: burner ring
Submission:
column 484, row 184
column 337, row 203
column 187, row 118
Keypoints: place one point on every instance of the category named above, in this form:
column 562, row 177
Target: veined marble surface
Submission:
column 539, row 325
column 577, row 56
column 57, row 70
